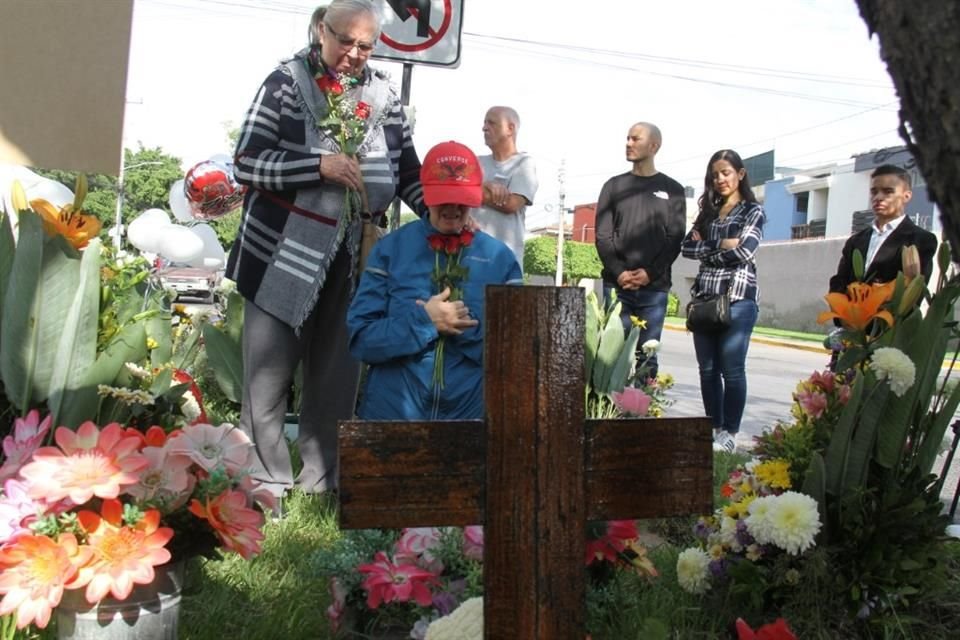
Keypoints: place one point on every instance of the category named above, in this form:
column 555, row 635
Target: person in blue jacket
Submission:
column 417, row 317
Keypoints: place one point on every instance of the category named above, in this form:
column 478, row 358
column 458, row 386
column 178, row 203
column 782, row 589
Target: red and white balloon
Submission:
column 211, row 190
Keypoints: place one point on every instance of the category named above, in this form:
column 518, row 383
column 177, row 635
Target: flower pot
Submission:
column 150, row 612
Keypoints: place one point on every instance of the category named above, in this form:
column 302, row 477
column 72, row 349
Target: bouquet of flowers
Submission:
column 752, row 540
column 450, row 274
column 100, row 508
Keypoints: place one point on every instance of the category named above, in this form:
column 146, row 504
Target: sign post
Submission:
column 419, row 32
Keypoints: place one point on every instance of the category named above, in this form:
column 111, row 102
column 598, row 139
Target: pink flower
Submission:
column 632, row 401
column 28, row 435
column 473, row 543
column 166, row 480
column 824, row 380
column 775, row 631
column 236, row 524
column 209, row 447
column 618, row 536
column 813, row 403
column 123, row 554
column 414, row 547
column 844, row 394
column 33, row 573
column 88, row 463
column 17, row 510
column 389, row 582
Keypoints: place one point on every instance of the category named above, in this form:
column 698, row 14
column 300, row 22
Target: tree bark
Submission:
column 920, row 45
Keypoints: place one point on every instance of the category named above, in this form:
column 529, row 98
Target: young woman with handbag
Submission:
column 724, row 238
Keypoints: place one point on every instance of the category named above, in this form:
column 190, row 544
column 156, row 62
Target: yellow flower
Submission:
column 73, row 224
column 774, row 473
column 637, row 322
column 152, row 344
column 859, row 305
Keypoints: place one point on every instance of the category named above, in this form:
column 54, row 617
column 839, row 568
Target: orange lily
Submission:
column 71, row 223
column 860, row 305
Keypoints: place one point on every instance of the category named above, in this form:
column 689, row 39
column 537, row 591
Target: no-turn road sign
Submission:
column 421, row 32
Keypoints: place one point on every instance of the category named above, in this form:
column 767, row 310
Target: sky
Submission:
column 801, row 77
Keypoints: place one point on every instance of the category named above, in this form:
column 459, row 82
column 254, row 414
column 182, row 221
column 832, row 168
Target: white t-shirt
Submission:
column 519, row 174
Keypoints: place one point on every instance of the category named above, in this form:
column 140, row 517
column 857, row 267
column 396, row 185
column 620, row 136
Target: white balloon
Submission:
column 144, row 231
column 212, row 257
column 222, row 158
column 178, row 202
column 179, row 244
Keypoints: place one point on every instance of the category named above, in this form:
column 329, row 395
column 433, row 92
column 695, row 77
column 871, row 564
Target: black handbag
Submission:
column 708, row 314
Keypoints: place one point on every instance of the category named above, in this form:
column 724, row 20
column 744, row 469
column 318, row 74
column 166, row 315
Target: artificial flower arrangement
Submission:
column 448, row 273
column 123, row 473
column 101, row 507
column 415, row 578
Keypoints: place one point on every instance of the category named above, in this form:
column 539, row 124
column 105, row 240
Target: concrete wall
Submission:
column 849, row 192
column 793, row 279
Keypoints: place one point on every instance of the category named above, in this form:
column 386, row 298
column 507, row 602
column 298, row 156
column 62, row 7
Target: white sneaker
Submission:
column 724, row 441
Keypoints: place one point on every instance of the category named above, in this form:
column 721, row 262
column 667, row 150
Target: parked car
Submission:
column 190, row 282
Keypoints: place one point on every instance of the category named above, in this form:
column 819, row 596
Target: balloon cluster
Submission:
column 208, row 192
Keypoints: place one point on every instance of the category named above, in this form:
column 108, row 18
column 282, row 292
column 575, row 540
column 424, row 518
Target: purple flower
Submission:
column 718, row 568
column 445, row 602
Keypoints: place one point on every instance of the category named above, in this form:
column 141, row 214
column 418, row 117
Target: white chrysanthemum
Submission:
column 692, row 574
column 793, row 520
column 894, row 365
column 728, row 533
column 757, row 523
column 650, row 347
column 136, row 370
column 189, row 407
column 465, row 623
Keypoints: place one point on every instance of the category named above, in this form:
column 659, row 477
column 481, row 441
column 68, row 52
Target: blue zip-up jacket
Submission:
column 395, row 336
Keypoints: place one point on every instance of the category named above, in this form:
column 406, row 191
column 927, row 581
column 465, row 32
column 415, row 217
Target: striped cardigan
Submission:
column 293, row 221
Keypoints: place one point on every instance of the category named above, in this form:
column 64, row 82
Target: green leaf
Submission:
column 592, row 340
column 77, row 347
column 624, row 363
column 930, row 447
column 858, row 267
column 611, row 344
column 226, row 359
column 158, row 327
column 44, row 276
column 129, row 345
column 835, row 457
column 815, row 485
column 7, row 248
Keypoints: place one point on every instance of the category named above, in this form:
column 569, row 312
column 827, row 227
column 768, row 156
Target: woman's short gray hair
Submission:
column 342, row 12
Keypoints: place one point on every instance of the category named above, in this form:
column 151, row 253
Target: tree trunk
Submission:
column 919, row 42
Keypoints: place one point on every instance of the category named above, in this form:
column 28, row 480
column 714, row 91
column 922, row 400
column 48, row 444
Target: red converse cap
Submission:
column 450, row 174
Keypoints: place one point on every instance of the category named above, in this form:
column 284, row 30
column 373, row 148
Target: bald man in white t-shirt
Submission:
column 509, row 181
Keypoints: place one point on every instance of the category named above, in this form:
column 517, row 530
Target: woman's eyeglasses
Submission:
column 349, row 43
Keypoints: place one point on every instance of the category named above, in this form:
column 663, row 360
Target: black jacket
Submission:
column 888, row 260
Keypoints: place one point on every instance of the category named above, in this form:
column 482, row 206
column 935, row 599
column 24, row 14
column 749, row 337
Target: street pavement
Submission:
column 774, row 367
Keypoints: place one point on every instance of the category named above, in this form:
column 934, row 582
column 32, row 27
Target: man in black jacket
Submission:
column 641, row 220
column 882, row 243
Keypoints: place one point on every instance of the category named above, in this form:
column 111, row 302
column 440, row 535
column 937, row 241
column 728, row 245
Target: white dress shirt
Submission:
column 877, row 238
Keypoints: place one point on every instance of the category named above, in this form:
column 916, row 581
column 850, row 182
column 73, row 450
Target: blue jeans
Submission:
column 649, row 305
column 722, row 360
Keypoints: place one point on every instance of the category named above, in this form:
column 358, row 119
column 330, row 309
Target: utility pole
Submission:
column 561, row 175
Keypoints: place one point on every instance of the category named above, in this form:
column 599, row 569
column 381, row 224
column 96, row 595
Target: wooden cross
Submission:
column 533, row 473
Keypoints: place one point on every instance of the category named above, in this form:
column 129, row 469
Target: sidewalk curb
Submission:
column 812, row 348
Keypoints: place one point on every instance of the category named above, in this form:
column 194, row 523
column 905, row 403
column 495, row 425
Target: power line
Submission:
column 737, row 68
column 729, row 85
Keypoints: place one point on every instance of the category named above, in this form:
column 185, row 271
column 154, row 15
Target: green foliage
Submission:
column 609, row 359
column 673, row 304
column 224, row 352
column 580, row 259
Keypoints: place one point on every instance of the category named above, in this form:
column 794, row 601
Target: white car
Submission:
column 190, row 282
